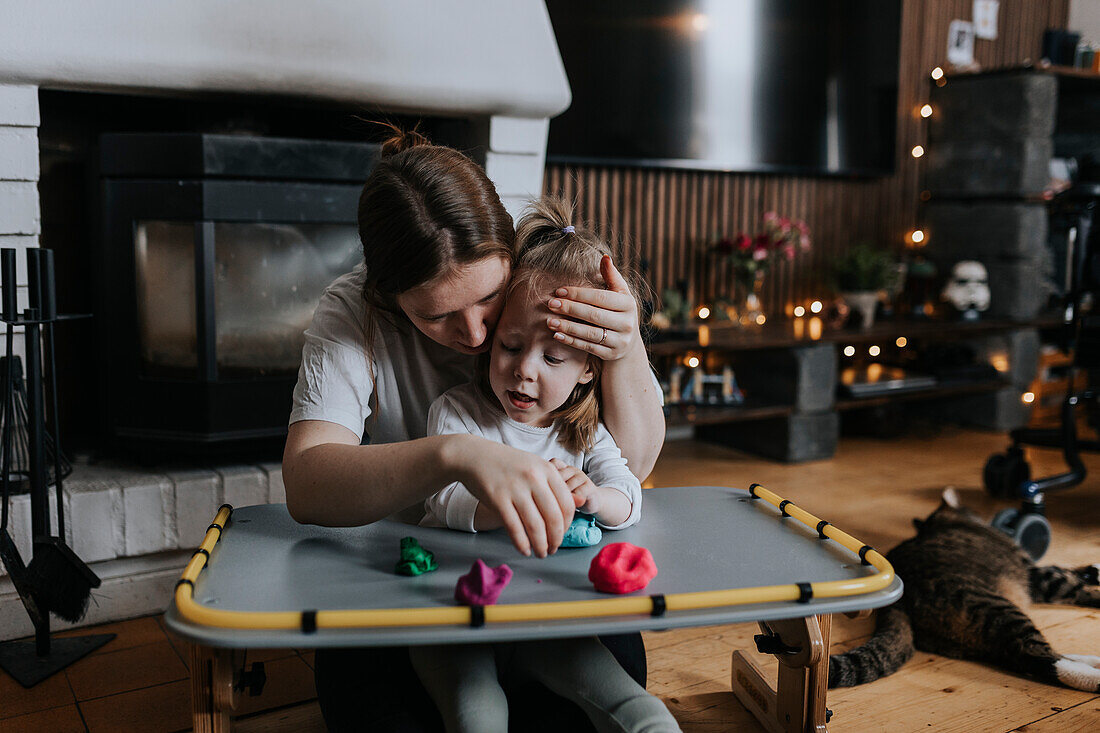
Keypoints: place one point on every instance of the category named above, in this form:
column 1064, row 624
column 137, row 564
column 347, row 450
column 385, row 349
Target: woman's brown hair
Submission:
column 424, row 210
column 553, row 249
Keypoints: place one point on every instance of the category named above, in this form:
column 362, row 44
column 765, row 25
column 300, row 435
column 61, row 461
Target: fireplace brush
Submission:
column 58, row 580
column 63, row 582
column 55, row 580
column 9, row 553
column 14, row 416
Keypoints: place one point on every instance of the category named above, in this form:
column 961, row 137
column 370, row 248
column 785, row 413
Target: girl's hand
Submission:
column 586, row 496
column 527, row 492
column 608, row 326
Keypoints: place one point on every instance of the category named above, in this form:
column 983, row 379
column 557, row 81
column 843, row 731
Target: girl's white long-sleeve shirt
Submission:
column 464, row 409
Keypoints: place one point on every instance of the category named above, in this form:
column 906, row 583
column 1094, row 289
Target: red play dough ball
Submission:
column 622, row 568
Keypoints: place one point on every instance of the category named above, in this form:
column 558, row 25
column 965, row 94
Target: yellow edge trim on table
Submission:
column 194, row 612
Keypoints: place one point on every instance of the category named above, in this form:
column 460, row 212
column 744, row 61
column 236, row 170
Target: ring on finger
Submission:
column 602, row 337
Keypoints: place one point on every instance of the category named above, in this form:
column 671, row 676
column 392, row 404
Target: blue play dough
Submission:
column 583, row 532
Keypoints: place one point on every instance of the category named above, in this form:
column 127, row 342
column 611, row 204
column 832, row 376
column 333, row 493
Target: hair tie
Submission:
column 569, row 230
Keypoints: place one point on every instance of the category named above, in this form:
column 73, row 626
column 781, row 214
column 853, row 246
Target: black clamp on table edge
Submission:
column 215, row 525
column 863, row 554
column 477, row 616
column 821, row 529
column 309, row 621
column 659, row 605
column 770, row 643
column 783, row 507
column 805, row 592
column 752, row 490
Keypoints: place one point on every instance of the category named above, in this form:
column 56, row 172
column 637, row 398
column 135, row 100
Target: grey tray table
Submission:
column 702, row 539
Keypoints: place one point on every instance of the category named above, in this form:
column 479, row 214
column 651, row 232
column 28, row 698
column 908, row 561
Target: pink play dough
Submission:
column 482, row 585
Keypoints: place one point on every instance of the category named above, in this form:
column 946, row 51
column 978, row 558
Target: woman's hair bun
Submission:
column 401, row 140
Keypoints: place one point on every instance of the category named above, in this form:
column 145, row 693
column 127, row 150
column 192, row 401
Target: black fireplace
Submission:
column 214, row 252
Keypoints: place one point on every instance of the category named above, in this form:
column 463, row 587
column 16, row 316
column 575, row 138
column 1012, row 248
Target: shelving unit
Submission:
column 775, row 335
column 791, row 409
column 957, row 389
column 691, row 414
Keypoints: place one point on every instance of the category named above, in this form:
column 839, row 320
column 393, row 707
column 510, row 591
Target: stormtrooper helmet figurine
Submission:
column 968, row 289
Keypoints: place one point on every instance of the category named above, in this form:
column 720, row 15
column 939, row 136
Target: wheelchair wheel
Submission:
column 1004, row 473
column 1005, row 520
column 1032, row 533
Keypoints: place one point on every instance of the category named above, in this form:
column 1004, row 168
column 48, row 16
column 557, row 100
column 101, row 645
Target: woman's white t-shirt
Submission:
column 380, row 389
column 465, row 410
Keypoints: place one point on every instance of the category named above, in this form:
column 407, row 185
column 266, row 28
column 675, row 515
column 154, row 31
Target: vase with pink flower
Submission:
column 750, row 257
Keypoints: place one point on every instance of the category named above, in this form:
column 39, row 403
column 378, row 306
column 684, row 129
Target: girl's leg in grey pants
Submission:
column 462, row 681
column 582, row 670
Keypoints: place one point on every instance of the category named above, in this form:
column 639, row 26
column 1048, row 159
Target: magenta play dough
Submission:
column 482, row 585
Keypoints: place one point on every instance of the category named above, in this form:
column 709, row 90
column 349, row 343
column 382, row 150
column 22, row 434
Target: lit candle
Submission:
column 815, row 328
column 704, row 335
column 799, row 328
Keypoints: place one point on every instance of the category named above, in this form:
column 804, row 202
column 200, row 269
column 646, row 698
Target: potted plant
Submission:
column 860, row 275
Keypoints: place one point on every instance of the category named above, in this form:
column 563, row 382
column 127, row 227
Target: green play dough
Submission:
column 415, row 560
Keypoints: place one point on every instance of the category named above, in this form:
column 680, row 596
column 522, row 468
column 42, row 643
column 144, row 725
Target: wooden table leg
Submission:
column 211, row 688
column 797, row 703
column 818, row 683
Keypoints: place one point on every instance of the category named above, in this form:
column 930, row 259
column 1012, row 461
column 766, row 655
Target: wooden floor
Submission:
column 872, row 489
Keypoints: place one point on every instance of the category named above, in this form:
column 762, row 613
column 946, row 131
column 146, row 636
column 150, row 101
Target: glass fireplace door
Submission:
column 267, row 280
column 215, row 251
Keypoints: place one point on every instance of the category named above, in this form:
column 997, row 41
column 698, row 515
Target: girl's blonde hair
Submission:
column 553, row 249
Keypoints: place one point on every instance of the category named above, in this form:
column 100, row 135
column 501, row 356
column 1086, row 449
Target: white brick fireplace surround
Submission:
column 494, row 62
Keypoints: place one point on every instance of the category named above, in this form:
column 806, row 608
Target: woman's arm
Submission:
column 332, row 480
column 632, row 410
column 631, row 401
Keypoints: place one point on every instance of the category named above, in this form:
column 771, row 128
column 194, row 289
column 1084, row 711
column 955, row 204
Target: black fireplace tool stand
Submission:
column 56, row 580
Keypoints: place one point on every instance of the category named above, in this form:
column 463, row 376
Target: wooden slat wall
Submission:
column 658, row 214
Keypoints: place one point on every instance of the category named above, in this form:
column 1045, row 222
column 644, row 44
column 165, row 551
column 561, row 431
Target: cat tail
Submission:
column 883, row 654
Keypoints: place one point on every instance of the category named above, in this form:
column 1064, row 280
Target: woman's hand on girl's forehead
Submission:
column 609, row 318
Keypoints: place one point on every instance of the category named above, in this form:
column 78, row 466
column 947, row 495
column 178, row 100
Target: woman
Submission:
column 389, row 338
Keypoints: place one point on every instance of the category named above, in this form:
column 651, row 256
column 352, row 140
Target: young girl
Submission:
column 542, row 396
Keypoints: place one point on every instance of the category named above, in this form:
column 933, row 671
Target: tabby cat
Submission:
column 967, row 586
